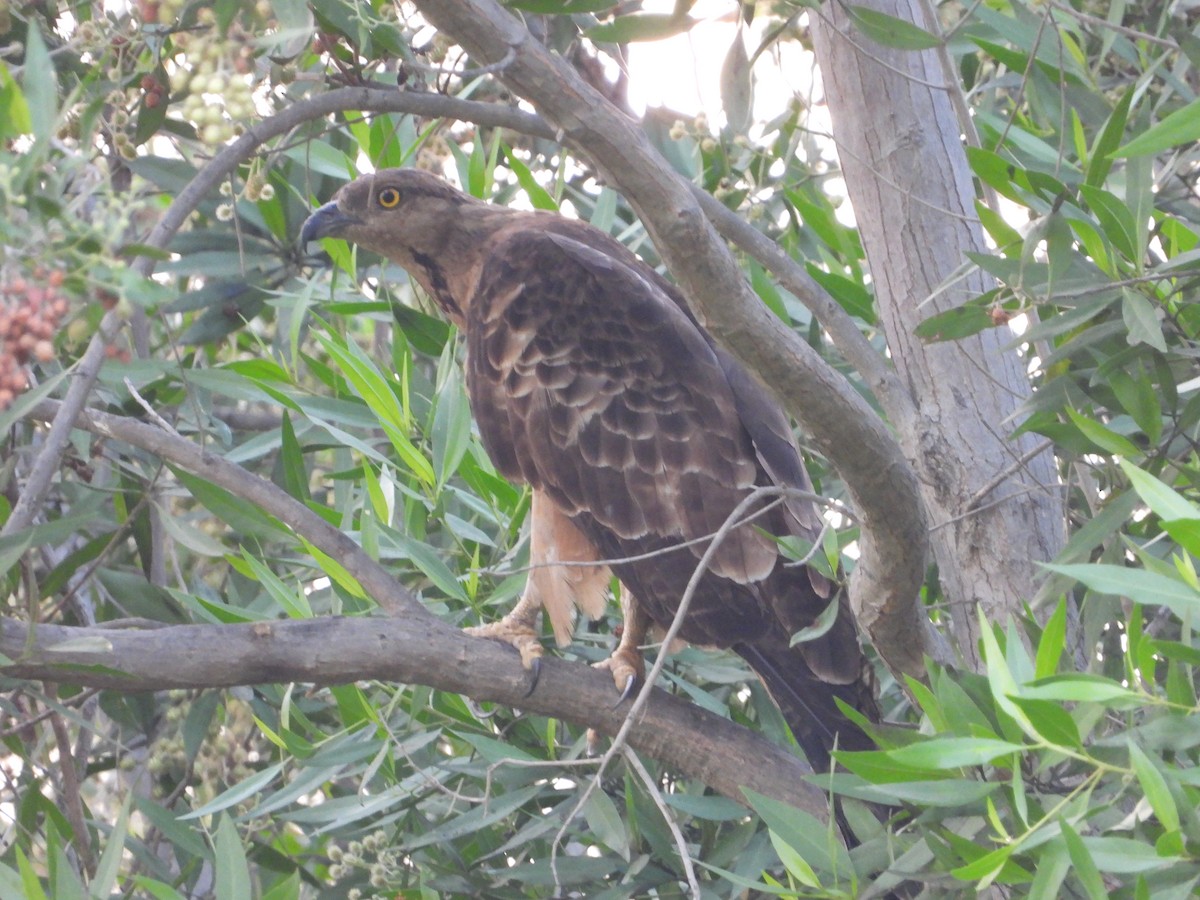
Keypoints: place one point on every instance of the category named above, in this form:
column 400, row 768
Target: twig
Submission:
column 149, row 410
column 784, row 492
column 644, row 693
column 71, row 799
column 656, row 795
column 376, row 580
column 1003, row 475
column 1124, row 30
column 490, row 69
column 77, row 699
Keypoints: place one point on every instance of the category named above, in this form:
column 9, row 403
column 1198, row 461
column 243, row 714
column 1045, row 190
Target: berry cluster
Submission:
column 215, row 76
column 154, row 91
column 29, row 315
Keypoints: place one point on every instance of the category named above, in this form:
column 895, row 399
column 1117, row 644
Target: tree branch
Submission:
column 879, row 478
column 414, row 650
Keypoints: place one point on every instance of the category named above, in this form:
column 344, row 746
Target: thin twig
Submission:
column 656, row 795
column 784, row 492
column 1124, row 30
column 644, row 693
column 490, row 69
column 71, row 801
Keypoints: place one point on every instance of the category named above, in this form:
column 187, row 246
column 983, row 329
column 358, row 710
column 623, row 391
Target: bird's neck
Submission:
column 449, row 269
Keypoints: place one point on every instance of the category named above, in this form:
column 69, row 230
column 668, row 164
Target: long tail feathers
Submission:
column 809, row 707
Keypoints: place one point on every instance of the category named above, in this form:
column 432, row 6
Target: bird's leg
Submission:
column 518, row 628
column 626, row 664
column 553, row 585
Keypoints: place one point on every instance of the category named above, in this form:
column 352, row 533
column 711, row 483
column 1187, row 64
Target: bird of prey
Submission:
column 592, row 382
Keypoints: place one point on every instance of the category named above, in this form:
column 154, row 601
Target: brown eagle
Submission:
column 593, row 383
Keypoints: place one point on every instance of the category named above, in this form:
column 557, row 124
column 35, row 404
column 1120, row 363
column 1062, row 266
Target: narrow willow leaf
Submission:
column 1140, row 585
column 1154, row 785
column 890, row 31
column 232, row 868
column 1179, row 127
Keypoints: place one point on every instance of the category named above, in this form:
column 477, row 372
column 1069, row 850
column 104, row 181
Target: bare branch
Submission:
column 410, row 649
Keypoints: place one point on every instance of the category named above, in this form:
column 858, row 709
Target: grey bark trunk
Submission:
column 994, row 504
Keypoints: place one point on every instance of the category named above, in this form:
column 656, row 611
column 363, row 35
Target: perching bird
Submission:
column 592, row 383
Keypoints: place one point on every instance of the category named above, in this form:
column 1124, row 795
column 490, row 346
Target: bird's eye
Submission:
column 389, row 198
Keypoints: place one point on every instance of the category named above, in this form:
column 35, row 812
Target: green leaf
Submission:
column 1141, row 318
column 40, row 83
column 1051, row 721
column 30, row 882
column 953, row 752
column 804, row 833
column 1162, row 499
column 1100, row 162
column 605, row 823
column 639, row 27
column 1103, row 437
column 14, row 111
column 426, row 559
column 1082, row 689
column 1139, row 585
column 107, row 870
column 1124, row 855
column 236, row 512
column 1003, row 686
column 1180, row 127
column 1053, row 642
column 291, row 461
column 1085, row 867
column 292, row 601
column 890, row 31
column 538, row 195
column 1154, row 786
column 796, row 865
column 451, row 431
column 822, row 625
column 233, row 871
column 243, row 790
column 960, row 322
column 737, row 86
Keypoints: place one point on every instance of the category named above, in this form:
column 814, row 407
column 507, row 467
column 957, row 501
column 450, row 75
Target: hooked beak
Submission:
column 326, row 221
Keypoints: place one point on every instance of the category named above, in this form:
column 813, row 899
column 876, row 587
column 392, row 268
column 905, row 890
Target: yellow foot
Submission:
column 628, row 670
column 518, row 634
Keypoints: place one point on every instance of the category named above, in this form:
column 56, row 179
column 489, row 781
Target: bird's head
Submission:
column 413, row 218
column 391, row 212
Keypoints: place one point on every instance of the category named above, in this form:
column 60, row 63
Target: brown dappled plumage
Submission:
column 592, row 383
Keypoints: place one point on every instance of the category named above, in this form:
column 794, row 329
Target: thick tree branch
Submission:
column 880, row 480
column 414, row 650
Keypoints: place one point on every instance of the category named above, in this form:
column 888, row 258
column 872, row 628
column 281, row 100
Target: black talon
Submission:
column 536, row 669
column 630, row 684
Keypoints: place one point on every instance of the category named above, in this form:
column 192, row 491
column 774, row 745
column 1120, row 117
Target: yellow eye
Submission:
column 389, row 198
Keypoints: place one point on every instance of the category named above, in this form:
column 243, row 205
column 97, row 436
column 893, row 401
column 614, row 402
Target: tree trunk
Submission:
column 995, row 504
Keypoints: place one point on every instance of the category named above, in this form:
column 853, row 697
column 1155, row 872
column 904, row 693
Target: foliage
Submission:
column 1059, row 770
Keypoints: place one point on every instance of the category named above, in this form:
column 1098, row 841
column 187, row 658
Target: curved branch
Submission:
column 423, row 650
column 843, row 426
column 374, row 578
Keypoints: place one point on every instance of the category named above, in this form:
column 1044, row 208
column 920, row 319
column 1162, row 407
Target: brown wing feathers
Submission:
column 591, row 381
